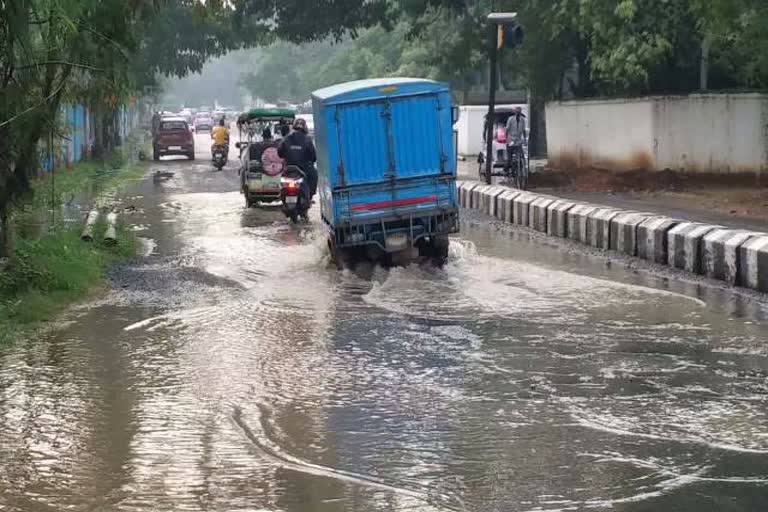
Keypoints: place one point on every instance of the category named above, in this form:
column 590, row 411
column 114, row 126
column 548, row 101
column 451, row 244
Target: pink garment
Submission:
column 271, row 162
column 501, row 135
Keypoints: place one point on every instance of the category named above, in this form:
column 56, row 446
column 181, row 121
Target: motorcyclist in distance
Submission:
column 220, row 136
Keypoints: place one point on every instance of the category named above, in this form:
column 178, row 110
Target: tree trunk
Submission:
column 6, row 239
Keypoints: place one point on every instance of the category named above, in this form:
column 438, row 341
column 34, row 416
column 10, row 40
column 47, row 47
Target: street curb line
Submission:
column 735, row 256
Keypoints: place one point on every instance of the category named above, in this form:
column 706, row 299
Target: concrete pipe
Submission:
column 110, row 236
column 90, row 222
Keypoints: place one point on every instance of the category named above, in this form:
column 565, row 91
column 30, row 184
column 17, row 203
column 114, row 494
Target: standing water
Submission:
column 234, row 369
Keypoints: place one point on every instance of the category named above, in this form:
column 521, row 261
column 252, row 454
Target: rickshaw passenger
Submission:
column 256, row 149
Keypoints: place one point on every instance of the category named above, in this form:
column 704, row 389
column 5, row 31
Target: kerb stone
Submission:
column 684, row 243
column 578, row 224
column 599, row 227
column 624, row 231
column 652, row 238
column 753, row 264
column 538, row 213
column 557, row 217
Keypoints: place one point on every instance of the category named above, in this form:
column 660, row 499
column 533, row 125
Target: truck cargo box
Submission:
column 386, row 160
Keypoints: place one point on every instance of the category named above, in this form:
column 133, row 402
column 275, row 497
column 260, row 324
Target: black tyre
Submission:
column 435, row 250
column 440, row 249
column 294, row 217
column 191, row 156
column 521, row 173
column 480, row 166
column 155, row 155
column 337, row 258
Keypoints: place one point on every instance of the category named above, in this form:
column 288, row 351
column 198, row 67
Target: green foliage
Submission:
column 101, row 51
column 428, row 46
column 46, row 273
column 298, row 21
column 187, row 33
column 50, row 270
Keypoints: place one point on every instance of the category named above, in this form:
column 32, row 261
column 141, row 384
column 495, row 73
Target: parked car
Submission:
column 173, row 137
column 387, row 170
column 203, row 123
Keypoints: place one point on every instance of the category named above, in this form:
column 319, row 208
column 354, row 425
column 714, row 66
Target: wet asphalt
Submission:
column 231, row 367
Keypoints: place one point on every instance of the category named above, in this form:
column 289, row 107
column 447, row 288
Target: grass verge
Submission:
column 50, row 266
column 47, row 273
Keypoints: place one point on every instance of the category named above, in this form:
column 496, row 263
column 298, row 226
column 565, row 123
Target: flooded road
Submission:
column 233, row 369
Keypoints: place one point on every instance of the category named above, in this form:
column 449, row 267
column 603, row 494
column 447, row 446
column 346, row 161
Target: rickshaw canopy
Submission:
column 267, row 114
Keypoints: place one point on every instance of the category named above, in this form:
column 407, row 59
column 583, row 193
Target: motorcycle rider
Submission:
column 220, row 136
column 299, row 150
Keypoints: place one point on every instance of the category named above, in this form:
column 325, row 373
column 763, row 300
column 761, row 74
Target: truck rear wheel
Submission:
column 436, row 249
column 335, row 253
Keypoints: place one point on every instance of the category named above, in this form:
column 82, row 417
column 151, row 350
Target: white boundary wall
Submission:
column 712, row 133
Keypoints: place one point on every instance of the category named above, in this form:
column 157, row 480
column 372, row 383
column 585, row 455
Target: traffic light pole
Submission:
column 494, row 51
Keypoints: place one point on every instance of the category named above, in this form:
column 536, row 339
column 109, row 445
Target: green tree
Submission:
column 101, row 51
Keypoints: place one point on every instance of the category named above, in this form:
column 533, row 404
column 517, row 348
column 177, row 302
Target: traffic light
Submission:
column 510, row 36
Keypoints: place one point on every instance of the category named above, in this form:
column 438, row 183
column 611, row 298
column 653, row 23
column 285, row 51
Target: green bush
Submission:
column 47, row 273
column 50, row 266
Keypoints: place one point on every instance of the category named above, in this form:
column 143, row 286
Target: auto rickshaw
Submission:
column 260, row 183
column 519, row 170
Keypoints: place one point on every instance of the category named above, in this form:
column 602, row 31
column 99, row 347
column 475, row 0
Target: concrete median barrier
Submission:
column 652, row 238
column 474, row 198
column 720, row 253
column 557, row 217
column 737, row 257
column 460, row 184
column 578, row 224
column 465, row 192
column 505, row 205
column 753, row 264
column 624, row 231
column 538, row 213
column 599, row 227
column 468, row 194
column 684, row 243
column 521, row 208
column 488, row 199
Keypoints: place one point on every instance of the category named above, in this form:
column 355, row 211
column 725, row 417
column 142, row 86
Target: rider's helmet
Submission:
column 300, row 125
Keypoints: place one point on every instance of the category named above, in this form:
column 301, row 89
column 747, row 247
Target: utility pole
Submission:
column 503, row 30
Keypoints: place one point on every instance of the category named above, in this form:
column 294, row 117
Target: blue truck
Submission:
column 387, row 169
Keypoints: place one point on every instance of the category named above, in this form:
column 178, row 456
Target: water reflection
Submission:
column 233, row 369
